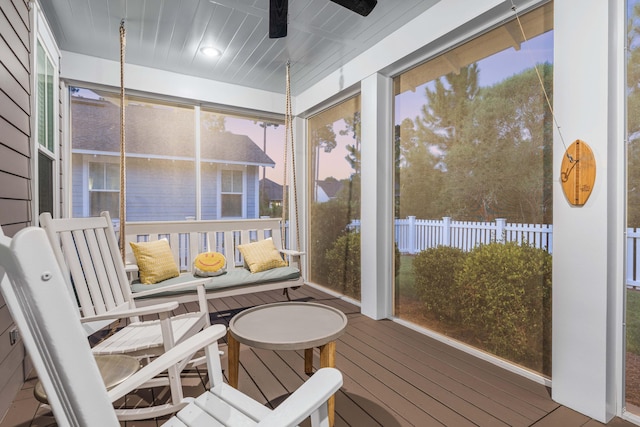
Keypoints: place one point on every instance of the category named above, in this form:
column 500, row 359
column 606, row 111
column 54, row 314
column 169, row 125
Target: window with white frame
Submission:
column 104, row 188
column 231, row 193
column 45, row 123
column 473, row 151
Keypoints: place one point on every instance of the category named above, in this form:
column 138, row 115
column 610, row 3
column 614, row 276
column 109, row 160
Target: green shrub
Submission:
column 505, row 298
column 327, row 223
column 343, row 264
column 434, row 280
column 343, row 261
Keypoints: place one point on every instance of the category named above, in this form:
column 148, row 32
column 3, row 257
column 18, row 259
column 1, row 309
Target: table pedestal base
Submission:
column 327, row 360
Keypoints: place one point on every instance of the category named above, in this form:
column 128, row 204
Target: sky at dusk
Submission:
column 492, row 70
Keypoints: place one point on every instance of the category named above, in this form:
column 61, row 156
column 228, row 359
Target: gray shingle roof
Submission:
column 156, row 130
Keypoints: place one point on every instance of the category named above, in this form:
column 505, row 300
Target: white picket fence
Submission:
column 415, row 235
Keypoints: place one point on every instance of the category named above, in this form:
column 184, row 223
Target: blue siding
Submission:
column 209, row 173
column 76, row 191
column 253, row 209
column 160, row 190
column 164, row 190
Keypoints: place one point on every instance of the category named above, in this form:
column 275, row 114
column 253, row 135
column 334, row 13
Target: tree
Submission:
column 633, row 121
column 353, row 126
column 212, row 122
column 265, row 209
column 503, row 167
column 321, row 138
column 446, row 113
column 419, row 177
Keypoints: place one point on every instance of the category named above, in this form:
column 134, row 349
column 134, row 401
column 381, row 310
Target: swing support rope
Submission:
column 289, row 144
column 123, row 42
column 540, row 80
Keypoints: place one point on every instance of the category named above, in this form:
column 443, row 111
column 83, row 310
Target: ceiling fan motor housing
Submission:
column 278, row 10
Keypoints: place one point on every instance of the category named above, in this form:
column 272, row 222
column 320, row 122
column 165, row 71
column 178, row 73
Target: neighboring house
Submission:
column 161, row 164
column 272, row 192
column 327, row 190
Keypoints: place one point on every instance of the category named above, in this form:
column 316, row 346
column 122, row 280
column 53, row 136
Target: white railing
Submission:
column 415, row 235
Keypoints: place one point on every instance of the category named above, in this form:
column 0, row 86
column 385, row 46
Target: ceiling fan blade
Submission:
column 278, row 10
column 361, row 7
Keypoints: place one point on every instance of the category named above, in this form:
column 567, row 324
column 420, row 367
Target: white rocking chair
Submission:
column 48, row 320
column 88, row 254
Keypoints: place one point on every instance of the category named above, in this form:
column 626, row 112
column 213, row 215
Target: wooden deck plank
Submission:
column 394, row 376
column 445, row 370
column 531, row 387
column 477, row 374
column 372, row 405
column 562, row 416
column 398, row 390
column 432, row 382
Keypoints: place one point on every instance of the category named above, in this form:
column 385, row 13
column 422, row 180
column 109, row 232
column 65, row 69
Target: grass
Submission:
column 633, row 321
column 405, row 277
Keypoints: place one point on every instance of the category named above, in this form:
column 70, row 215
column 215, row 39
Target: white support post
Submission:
column 587, row 266
column 376, row 198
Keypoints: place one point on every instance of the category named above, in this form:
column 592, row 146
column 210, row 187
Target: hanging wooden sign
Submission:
column 578, row 172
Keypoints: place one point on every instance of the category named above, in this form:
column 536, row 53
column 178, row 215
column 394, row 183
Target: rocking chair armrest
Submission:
column 132, row 312
column 176, row 354
column 291, row 252
column 306, row 400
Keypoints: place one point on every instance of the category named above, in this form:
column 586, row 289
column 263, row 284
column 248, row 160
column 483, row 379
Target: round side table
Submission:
column 287, row 326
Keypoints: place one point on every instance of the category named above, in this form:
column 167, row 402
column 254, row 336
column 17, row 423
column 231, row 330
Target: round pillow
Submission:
column 209, row 264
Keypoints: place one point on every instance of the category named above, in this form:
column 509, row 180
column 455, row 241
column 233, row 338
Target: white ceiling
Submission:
column 168, row 34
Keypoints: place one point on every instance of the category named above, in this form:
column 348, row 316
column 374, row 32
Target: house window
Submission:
column 334, row 203
column 104, row 188
column 45, row 98
column 473, row 170
column 45, row 120
column 45, row 182
column 231, row 194
column 240, row 145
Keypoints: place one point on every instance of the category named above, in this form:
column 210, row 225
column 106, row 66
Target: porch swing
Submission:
column 229, row 238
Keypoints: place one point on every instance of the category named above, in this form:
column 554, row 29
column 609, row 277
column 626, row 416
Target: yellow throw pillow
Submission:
column 209, row 264
column 261, row 255
column 155, row 261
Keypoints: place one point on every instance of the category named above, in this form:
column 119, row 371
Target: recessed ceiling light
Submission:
column 210, row 51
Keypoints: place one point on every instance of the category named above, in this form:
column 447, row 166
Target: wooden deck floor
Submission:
column 393, row 376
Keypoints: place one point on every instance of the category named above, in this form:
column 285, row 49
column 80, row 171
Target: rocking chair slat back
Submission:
column 93, row 270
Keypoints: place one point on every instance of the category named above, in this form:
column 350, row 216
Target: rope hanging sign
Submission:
column 578, row 168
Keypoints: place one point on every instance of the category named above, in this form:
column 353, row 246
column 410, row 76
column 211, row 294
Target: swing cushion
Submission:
column 261, row 255
column 155, row 261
